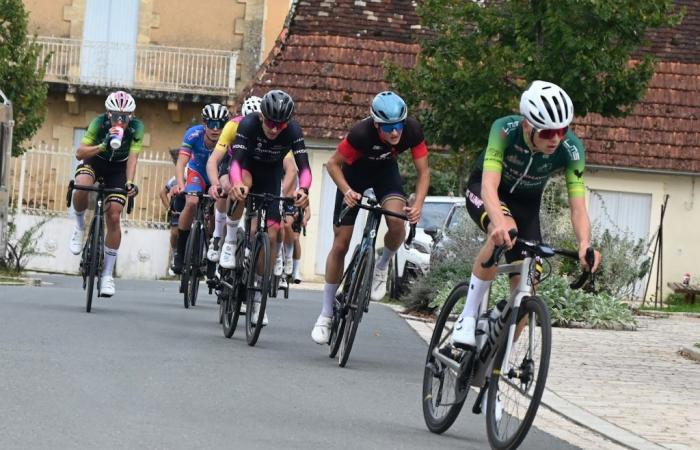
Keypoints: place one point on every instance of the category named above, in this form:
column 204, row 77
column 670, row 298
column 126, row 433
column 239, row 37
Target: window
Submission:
column 621, row 212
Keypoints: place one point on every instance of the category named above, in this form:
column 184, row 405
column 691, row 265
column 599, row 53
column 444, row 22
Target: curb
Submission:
column 690, row 352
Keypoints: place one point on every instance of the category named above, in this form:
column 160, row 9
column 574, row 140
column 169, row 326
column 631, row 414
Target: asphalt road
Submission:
column 140, row 371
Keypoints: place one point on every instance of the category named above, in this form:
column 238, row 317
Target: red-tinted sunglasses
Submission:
column 549, row 134
column 276, row 125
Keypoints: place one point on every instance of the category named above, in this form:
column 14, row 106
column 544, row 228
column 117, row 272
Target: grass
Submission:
column 697, row 345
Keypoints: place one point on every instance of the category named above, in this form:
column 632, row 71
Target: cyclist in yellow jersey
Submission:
column 217, row 169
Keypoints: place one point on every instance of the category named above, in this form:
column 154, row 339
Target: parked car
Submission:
column 439, row 213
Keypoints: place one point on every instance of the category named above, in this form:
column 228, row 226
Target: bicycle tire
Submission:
column 274, row 286
column 262, row 246
column 198, row 260
column 359, row 297
column 93, row 250
column 231, row 305
column 188, row 264
column 338, row 318
column 498, row 382
column 439, row 425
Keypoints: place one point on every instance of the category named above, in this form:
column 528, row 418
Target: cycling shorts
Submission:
column 112, row 173
column 267, row 178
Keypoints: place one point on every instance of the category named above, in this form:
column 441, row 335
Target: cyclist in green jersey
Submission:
column 505, row 189
column 109, row 150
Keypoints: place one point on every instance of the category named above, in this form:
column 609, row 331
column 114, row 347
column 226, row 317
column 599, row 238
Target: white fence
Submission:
column 156, row 67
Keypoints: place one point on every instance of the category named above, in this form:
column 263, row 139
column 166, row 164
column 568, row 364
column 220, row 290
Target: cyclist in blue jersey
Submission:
column 197, row 146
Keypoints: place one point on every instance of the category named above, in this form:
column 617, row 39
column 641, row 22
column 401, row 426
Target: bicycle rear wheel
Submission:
column 199, row 265
column 444, row 390
column 513, row 397
column 231, row 304
column 260, row 249
column 356, row 302
column 92, row 249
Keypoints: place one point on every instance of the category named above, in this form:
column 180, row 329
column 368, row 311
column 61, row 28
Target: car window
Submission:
column 458, row 219
column 434, row 214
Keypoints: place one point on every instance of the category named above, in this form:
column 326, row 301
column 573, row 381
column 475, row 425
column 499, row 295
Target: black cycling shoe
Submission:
column 177, row 267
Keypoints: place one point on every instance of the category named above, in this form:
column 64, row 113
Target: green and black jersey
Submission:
column 131, row 142
column 524, row 171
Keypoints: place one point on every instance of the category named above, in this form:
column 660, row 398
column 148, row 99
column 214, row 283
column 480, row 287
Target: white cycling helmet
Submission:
column 120, row 101
column 215, row 111
column 251, row 105
column 546, row 106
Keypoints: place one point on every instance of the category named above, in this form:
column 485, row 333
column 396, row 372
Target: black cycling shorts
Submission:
column 267, row 178
column 113, row 174
column 382, row 176
column 177, row 204
column 525, row 211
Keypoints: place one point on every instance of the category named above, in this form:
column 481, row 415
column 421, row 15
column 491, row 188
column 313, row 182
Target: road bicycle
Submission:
column 353, row 299
column 92, row 256
column 297, row 215
column 511, row 359
column 239, row 284
column 196, row 264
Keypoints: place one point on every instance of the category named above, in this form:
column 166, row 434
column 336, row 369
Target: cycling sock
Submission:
column 110, row 259
column 257, row 297
column 231, row 226
column 295, row 266
column 80, row 219
column 328, row 299
column 288, row 249
column 219, row 223
column 385, row 258
column 477, row 289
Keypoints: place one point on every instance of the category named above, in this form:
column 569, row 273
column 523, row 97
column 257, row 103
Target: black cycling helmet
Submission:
column 277, row 106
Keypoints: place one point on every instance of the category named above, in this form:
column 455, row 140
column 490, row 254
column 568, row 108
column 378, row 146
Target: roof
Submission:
column 330, row 58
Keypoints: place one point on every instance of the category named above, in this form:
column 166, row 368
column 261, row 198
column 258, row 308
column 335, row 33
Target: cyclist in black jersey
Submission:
column 365, row 159
column 109, row 150
column 262, row 142
column 505, row 189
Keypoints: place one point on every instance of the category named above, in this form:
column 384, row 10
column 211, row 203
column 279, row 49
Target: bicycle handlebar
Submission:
column 379, row 210
column 545, row 251
column 83, row 187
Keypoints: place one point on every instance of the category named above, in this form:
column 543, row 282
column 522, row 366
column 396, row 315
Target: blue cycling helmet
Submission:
column 388, row 107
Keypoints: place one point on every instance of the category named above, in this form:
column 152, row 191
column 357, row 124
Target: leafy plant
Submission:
column 21, row 250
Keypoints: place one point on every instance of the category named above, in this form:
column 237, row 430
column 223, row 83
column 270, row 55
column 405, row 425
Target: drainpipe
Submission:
column 6, row 125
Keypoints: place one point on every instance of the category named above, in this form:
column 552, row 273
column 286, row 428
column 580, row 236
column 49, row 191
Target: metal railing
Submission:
column 39, row 179
column 140, row 66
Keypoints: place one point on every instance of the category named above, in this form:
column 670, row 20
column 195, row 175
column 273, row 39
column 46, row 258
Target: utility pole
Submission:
column 6, row 125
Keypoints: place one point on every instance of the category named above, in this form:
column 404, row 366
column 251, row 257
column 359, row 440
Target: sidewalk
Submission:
column 620, row 389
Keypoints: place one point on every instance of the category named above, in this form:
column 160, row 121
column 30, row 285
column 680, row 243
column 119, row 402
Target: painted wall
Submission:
column 275, row 13
column 46, row 17
column 681, row 233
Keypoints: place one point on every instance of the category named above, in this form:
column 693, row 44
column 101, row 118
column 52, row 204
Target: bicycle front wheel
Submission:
column 513, row 397
column 443, row 391
column 92, row 257
column 357, row 300
column 190, row 269
column 260, row 250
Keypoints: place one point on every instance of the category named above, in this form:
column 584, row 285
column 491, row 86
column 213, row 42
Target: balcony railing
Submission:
column 150, row 67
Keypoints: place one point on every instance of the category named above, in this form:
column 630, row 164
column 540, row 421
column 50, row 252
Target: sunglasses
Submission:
column 389, row 127
column 549, row 134
column 119, row 117
column 215, row 124
column 276, row 125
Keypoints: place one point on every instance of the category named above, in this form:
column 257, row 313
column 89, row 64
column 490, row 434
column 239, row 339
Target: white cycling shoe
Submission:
column 227, row 259
column 322, row 330
column 213, row 252
column 256, row 313
column 288, row 265
column 464, row 333
column 379, row 283
column 76, row 241
column 283, row 283
column 107, row 288
column 278, row 267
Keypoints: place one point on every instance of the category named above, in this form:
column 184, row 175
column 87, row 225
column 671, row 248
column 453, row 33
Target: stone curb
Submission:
column 690, row 352
column 553, row 402
column 22, row 282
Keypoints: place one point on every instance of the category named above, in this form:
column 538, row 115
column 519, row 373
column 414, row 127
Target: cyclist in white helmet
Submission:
column 505, row 188
column 217, row 169
column 116, row 165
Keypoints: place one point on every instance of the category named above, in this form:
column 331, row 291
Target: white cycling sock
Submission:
column 477, row 289
column 295, row 267
column 231, row 227
column 110, row 259
column 329, row 290
column 219, row 222
column 387, row 254
column 80, row 220
column 288, row 249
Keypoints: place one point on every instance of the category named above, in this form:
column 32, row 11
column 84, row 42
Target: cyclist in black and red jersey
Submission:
column 365, row 159
column 262, row 142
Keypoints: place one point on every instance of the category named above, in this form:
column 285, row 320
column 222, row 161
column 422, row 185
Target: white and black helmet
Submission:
column 120, row 101
column 546, row 106
column 251, row 105
column 215, row 111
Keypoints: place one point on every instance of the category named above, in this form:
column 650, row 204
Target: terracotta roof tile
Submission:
column 330, row 58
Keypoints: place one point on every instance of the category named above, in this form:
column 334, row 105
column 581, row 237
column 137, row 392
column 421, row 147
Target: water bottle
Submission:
column 497, row 320
column 482, row 330
column 488, row 328
column 116, row 140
